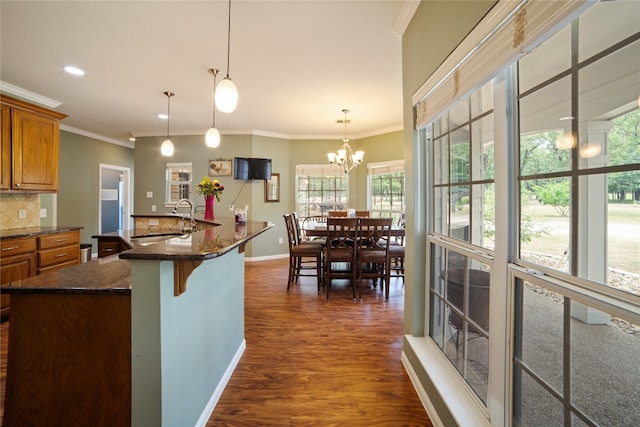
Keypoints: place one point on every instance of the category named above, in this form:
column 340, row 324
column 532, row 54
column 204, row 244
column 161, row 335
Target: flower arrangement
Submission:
column 209, row 187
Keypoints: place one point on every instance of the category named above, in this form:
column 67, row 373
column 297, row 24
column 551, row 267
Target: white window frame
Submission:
column 169, row 183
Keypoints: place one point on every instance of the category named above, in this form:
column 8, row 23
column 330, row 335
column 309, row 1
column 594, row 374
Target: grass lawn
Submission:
column 623, row 245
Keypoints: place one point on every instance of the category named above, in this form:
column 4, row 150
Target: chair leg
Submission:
column 319, row 272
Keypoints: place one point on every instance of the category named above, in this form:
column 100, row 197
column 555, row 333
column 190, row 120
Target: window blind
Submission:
column 509, row 30
column 385, row 167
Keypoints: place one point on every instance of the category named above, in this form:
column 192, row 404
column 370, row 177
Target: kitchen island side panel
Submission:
column 182, row 346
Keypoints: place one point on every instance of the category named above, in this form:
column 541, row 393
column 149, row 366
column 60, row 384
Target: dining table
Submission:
column 320, row 230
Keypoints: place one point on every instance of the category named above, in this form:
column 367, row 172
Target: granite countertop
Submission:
column 211, row 240
column 15, row 233
column 109, row 275
column 112, row 275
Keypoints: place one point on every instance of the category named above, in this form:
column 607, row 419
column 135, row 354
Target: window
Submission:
column 462, row 212
column 179, row 181
column 386, row 189
column 562, row 264
column 319, row 190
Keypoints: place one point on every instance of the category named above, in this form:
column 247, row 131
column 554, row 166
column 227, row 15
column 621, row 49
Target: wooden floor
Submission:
column 312, row 362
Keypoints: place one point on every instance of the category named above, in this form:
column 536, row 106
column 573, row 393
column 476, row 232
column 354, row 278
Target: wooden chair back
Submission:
column 334, row 214
column 340, row 251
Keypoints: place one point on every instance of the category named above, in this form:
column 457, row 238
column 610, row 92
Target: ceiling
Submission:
column 296, row 64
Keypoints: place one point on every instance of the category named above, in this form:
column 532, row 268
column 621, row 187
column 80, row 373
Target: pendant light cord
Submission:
column 213, row 121
column 168, row 112
column 229, row 38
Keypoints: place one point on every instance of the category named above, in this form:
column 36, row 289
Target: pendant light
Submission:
column 227, row 95
column 212, row 137
column 167, row 146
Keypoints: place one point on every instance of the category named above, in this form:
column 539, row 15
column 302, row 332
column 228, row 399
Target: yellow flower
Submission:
column 209, row 187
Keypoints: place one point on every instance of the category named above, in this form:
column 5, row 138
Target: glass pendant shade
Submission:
column 167, row 148
column 212, row 138
column 226, row 95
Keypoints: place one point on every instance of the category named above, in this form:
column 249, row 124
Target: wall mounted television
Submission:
column 246, row 168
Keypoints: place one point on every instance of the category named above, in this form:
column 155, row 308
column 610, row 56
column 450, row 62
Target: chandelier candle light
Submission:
column 345, row 158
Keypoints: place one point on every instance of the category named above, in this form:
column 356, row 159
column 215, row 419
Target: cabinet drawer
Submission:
column 58, row 256
column 17, row 246
column 108, row 248
column 59, row 239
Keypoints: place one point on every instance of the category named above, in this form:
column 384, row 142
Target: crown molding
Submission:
column 27, row 95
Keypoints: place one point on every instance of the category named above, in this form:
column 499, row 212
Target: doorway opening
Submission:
column 114, row 204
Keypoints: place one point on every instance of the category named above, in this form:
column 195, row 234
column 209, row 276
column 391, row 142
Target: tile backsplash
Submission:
column 10, row 206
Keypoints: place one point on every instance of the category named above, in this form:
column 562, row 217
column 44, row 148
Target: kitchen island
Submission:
column 149, row 337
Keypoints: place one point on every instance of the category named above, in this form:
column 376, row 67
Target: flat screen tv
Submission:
column 246, row 168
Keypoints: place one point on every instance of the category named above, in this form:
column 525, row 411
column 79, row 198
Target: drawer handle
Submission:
column 61, row 240
column 10, row 248
column 108, row 250
column 61, row 255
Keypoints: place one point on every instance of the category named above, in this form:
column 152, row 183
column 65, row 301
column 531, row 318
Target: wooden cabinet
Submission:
column 58, row 250
column 17, row 261
column 110, row 246
column 30, row 147
column 5, row 148
column 24, row 257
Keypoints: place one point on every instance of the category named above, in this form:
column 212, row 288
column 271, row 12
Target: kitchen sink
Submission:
column 147, row 239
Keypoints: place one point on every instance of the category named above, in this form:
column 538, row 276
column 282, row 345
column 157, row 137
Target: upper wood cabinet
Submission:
column 30, row 147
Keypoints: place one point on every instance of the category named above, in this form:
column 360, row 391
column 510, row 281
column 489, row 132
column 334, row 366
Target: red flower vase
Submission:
column 208, row 207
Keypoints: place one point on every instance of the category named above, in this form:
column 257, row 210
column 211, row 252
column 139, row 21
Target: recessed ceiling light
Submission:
column 163, row 116
column 73, row 70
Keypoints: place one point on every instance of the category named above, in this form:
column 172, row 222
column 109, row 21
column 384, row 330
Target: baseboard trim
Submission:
column 422, row 393
column 213, row 401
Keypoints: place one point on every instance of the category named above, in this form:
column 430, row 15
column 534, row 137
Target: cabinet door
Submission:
column 5, row 149
column 35, row 151
column 15, row 268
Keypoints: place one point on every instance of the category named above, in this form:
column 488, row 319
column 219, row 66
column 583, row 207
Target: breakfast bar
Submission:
column 147, row 337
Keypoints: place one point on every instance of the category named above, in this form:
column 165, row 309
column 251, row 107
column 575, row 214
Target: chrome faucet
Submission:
column 192, row 226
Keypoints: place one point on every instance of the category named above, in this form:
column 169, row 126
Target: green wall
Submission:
column 79, row 174
column 285, row 155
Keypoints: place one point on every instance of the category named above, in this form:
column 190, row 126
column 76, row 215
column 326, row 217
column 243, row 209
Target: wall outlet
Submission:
column 231, row 209
column 149, row 194
column 153, row 208
column 280, row 240
column 22, row 214
column 43, row 212
column 153, row 222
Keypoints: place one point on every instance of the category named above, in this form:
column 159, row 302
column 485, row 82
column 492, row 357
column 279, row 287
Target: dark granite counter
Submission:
column 102, row 276
column 211, row 240
column 15, row 233
column 112, row 275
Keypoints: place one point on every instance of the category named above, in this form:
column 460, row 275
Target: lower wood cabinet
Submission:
column 110, row 246
column 17, row 261
column 58, row 250
column 24, row 257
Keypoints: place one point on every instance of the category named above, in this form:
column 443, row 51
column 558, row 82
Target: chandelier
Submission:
column 345, row 158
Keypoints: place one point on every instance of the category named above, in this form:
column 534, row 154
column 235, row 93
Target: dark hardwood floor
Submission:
column 312, row 362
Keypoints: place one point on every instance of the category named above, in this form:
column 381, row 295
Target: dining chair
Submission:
column 303, row 257
column 334, row 214
column 340, row 251
column 373, row 252
column 363, row 214
column 396, row 251
column 300, row 230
